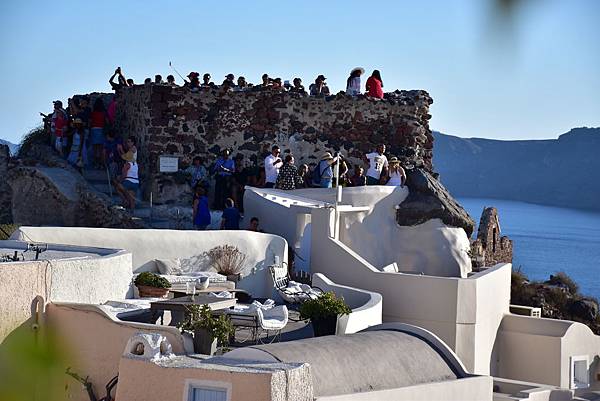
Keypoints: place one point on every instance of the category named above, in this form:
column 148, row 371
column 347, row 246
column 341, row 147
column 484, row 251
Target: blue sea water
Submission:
column 548, row 239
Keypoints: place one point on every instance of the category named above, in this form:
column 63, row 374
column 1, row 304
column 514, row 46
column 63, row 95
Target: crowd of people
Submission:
column 373, row 86
column 85, row 136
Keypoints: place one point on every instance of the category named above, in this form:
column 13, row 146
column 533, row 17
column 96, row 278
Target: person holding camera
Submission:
column 319, row 88
column 121, row 81
column 272, row 165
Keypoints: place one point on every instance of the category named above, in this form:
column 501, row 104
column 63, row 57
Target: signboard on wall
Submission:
column 168, row 164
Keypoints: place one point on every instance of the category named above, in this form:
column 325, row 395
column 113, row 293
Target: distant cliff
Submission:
column 13, row 148
column 560, row 172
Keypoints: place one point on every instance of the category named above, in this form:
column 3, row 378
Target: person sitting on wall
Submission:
column 272, row 165
column 121, row 81
column 147, row 81
column 353, row 81
column 358, row 179
column 319, row 88
column 397, row 173
column 200, row 211
column 223, row 170
column 253, row 226
column 378, row 165
column 198, row 173
column 206, row 82
column 158, row 79
column 278, row 84
column 130, row 82
column 129, row 181
column 231, row 216
column 288, row 177
column 298, row 87
column 323, row 174
column 194, row 82
column 242, row 85
column 171, row 80
column 374, row 85
column 266, row 82
column 229, row 82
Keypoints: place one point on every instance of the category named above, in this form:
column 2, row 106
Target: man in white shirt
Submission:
column 378, row 165
column 272, row 164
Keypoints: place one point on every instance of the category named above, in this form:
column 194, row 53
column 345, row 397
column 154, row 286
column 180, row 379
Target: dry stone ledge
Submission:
column 429, row 199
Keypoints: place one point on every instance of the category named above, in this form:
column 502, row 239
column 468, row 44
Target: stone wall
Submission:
column 176, row 121
column 490, row 247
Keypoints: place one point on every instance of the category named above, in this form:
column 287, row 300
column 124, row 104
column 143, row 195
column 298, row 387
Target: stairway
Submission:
column 98, row 179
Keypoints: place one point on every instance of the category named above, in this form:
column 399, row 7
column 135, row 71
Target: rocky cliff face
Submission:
column 561, row 172
column 178, row 122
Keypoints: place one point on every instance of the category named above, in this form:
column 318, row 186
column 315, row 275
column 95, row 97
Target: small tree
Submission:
column 226, row 259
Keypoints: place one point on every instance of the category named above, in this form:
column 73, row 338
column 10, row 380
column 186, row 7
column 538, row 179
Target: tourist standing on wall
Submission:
column 229, row 81
column 272, row 165
column 353, row 81
column 198, row 173
column 298, row 87
column 121, row 81
column 171, row 80
column 130, row 181
column 223, row 170
column 231, row 216
column 58, row 127
column 158, row 79
column 378, row 165
column 288, row 177
column 323, row 174
column 98, row 120
column 77, row 155
column 194, row 83
column 200, row 210
column 375, row 85
column 319, row 88
column 206, row 82
column 397, row 173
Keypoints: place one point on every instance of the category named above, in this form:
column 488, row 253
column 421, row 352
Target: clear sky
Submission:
column 534, row 73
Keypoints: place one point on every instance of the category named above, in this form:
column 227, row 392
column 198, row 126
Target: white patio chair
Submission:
column 272, row 320
column 291, row 291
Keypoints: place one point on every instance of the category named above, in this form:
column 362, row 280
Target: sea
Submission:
column 548, row 239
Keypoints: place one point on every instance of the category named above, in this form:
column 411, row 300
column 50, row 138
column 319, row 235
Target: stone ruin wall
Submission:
column 175, row 121
column 490, row 247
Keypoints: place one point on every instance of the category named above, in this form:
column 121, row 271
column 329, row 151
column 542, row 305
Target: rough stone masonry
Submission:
column 176, row 121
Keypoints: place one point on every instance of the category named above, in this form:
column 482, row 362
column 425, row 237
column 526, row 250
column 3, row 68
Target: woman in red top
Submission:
column 98, row 119
column 375, row 85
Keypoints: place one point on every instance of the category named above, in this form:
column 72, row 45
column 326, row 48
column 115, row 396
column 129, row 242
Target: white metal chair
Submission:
column 291, row 291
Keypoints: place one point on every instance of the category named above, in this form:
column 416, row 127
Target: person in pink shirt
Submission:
column 375, row 85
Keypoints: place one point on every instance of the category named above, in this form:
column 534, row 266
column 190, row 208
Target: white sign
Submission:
column 168, row 164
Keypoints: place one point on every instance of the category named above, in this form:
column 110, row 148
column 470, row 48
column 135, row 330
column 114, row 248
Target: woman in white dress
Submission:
column 396, row 172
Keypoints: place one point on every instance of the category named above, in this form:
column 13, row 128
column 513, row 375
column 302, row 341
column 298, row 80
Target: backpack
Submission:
column 317, row 174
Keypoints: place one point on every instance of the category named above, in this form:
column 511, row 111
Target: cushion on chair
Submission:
column 168, row 266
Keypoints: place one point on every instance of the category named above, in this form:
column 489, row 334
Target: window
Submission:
column 205, row 390
column 580, row 376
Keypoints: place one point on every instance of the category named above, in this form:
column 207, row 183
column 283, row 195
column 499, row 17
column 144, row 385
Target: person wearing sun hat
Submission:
column 319, row 88
column 130, row 181
column 323, row 176
column 353, row 81
column 396, row 173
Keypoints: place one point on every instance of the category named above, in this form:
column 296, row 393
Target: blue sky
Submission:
column 533, row 74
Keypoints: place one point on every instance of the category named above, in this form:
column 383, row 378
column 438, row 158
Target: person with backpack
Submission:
column 323, row 173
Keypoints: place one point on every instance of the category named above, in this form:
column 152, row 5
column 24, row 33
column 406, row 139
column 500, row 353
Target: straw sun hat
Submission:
column 128, row 157
column 362, row 70
column 327, row 156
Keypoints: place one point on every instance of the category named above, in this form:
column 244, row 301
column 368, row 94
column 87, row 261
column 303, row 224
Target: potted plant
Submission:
column 209, row 331
column 227, row 260
column 323, row 313
column 152, row 285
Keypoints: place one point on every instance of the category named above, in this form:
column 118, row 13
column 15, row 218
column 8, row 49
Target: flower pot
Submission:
column 324, row 326
column 204, row 342
column 152, row 292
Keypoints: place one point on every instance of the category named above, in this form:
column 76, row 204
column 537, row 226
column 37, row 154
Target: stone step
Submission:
column 95, row 175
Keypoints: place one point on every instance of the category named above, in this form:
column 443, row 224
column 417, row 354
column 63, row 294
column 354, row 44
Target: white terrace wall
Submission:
column 464, row 312
column 431, row 248
column 148, row 245
column 86, row 280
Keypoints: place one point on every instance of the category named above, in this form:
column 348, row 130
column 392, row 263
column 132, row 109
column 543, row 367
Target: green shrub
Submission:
column 563, row 279
column 324, row 306
column 35, row 136
column 152, row 280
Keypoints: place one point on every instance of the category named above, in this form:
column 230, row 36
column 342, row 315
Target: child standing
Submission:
column 231, row 216
column 200, row 210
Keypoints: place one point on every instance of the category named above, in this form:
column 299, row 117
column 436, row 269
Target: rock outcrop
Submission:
column 429, row 199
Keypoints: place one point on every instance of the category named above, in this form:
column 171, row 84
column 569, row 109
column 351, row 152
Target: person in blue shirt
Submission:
column 200, row 210
column 223, row 170
column 231, row 216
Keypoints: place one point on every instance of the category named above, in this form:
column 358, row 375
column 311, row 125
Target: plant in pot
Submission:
column 323, row 312
column 209, row 331
column 152, row 285
column 227, row 260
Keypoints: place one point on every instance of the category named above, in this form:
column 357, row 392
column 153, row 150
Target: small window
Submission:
column 205, row 390
column 580, row 375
